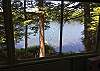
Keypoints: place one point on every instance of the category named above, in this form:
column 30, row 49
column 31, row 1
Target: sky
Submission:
column 35, row 9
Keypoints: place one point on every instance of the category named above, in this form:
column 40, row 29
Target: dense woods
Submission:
column 16, row 19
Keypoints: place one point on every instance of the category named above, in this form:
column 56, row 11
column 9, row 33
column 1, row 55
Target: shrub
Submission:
column 33, row 51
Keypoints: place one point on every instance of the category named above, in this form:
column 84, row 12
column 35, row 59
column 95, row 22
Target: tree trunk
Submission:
column 9, row 30
column 87, row 33
column 26, row 40
column 61, row 26
column 41, row 29
column 98, row 38
column 26, row 29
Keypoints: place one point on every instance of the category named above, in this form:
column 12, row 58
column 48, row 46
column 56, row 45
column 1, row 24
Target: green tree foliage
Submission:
column 95, row 12
column 90, row 29
column 33, row 52
column 72, row 12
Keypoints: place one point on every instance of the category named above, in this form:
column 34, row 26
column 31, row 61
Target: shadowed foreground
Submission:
column 70, row 63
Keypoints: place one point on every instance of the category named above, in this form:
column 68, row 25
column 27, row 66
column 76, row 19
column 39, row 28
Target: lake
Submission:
column 72, row 34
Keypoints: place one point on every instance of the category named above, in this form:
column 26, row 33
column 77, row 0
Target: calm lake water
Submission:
column 72, row 34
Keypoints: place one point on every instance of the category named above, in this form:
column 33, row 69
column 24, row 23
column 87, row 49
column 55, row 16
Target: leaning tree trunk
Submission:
column 87, row 33
column 41, row 29
column 7, row 13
